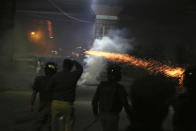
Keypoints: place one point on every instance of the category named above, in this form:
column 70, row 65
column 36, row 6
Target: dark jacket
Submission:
column 151, row 97
column 184, row 118
column 63, row 84
column 40, row 85
column 110, row 97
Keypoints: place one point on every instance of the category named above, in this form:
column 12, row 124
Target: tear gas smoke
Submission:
column 114, row 42
column 13, row 71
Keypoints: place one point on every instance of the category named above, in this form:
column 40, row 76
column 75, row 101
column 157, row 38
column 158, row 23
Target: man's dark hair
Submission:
column 50, row 68
column 114, row 72
column 67, row 64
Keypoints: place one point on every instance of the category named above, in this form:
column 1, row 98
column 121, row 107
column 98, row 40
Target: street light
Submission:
column 35, row 36
column 32, row 33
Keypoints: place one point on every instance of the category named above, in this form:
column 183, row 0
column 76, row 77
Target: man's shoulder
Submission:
column 38, row 82
column 111, row 84
column 121, row 89
column 120, row 85
column 103, row 83
column 40, row 77
column 57, row 74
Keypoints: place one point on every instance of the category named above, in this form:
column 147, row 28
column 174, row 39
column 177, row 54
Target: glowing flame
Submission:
column 150, row 65
column 50, row 30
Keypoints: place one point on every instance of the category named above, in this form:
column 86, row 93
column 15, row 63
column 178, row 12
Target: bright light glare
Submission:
column 35, row 36
column 32, row 33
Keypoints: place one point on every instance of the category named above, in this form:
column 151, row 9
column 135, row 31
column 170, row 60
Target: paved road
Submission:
column 15, row 115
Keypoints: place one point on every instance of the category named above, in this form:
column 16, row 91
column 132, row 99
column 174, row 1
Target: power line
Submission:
column 67, row 14
column 42, row 14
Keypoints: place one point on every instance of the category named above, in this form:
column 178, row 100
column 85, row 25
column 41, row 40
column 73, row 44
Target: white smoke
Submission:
column 95, row 65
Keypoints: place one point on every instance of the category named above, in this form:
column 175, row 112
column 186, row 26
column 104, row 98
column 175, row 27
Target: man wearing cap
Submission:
column 40, row 87
column 63, row 86
column 109, row 99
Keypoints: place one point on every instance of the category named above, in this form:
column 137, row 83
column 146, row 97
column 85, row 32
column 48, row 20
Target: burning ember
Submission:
column 150, row 65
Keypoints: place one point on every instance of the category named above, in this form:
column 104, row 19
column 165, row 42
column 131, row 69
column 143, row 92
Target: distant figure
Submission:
column 63, row 86
column 40, row 86
column 185, row 108
column 151, row 97
column 109, row 99
column 38, row 67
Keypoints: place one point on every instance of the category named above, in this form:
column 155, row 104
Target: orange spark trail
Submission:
column 150, row 65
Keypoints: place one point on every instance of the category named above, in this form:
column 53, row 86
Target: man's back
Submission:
column 40, row 85
column 62, row 87
column 151, row 97
column 109, row 99
column 63, row 84
column 185, row 113
column 109, row 95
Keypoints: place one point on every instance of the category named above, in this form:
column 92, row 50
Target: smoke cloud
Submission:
column 113, row 42
column 15, row 74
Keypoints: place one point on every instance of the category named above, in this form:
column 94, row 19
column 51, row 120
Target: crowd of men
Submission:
column 57, row 94
column 151, row 97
